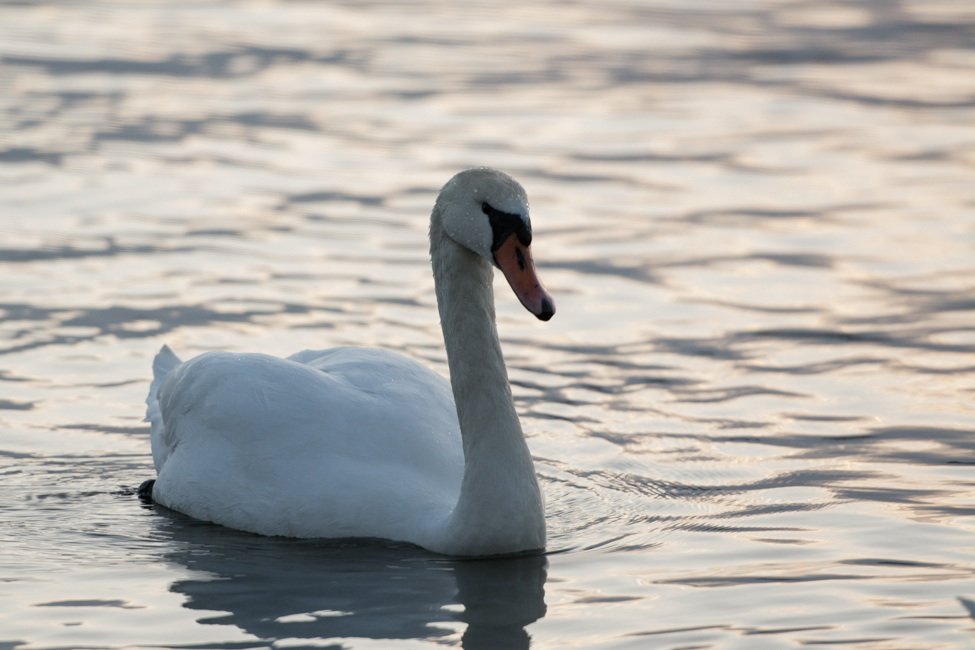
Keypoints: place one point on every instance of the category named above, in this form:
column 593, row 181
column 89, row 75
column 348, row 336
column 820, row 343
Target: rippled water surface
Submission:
column 753, row 415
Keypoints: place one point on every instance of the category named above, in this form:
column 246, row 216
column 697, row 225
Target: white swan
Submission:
column 353, row 442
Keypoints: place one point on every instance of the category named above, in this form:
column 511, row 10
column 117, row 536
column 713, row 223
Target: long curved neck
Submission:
column 500, row 505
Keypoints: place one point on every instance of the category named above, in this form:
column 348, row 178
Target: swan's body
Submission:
column 242, row 443
column 354, row 442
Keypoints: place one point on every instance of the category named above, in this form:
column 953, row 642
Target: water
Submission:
column 752, row 416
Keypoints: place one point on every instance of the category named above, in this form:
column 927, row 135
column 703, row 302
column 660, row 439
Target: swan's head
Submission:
column 486, row 211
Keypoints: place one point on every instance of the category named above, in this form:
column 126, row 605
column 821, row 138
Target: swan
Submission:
column 366, row 443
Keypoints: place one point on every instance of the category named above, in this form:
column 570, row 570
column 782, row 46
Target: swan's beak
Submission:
column 515, row 261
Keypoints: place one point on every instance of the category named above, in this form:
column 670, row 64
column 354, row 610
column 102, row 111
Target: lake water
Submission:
column 753, row 415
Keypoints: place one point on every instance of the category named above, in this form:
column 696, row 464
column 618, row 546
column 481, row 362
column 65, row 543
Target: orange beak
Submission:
column 515, row 261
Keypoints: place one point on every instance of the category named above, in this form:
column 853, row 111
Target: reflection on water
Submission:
column 752, row 416
column 287, row 590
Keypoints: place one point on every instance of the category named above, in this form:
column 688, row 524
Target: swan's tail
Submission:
column 165, row 361
column 162, row 365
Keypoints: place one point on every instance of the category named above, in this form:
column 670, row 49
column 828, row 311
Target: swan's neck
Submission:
column 500, row 506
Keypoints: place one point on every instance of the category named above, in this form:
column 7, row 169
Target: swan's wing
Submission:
column 378, row 372
column 288, row 447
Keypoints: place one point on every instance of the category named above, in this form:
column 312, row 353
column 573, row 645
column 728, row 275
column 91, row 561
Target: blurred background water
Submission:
column 752, row 416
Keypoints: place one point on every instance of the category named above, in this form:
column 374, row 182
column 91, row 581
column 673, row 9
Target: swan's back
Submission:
column 346, row 442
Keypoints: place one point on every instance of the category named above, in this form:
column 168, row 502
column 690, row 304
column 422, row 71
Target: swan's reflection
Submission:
column 279, row 589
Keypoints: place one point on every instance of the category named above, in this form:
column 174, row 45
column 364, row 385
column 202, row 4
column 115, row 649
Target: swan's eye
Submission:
column 504, row 224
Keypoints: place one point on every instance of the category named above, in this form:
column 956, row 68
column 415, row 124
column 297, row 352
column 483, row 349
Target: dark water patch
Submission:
column 636, row 69
column 334, row 196
column 929, row 370
column 925, row 445
column 713, row 395
column 586, row 178
column 71, row 99
column 762, row 309
column 906, row 103
column 807, row 260
column 759, row 510
column 895, row 32
column 574, row 418
column 140, row 430
column 704, row 527
column 654, row 157
column 113, row 384
column 784, row 630
column 6, row 375
column 640, row 272
column 589, row 349
column 302, row 276
column 785, row 541
column 220, row 161
column 849, row 641
column 323, row 325
column 737, row 581
column 816, row 478
column 914, row 446
column 108, row 248
column 736, row 215
column 244, row 60
column 816, row 417
column 16, row 155
column 27, row 313
column 710, row 348
column 683, row 630
column 820, row 367
column 642, row 381
column 949, row 156
column 633, row 483
column 888, row 494
column 922, row 302
column 942, row 446
column 727, row 423
column 571, row 178
column 633, row 443
column 896, row 563
column 616, row 385
column 752, row 216
column 610, row 369
column 498, row 80
column 547, row 393
column 152, row 129
column 919, row 338
column 801, row 441
column 119, row 604
column 586, row 385
column 768, row 38
column 11, row 405
column 83, row 495
column 941, row 434
column 216, row 232
column 802, row 260
column 116, row 320
column 606, row 599
column 17, row 455
column 796, row 54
